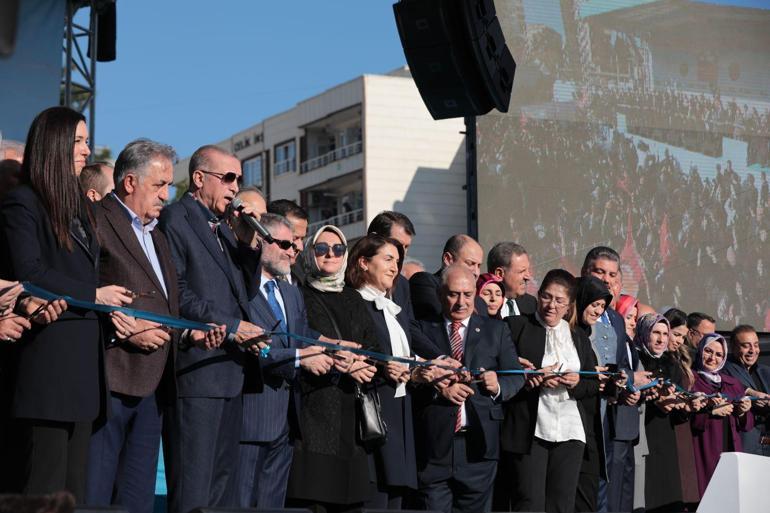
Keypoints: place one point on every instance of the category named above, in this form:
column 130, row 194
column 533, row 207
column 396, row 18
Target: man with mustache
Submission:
column 123, row 452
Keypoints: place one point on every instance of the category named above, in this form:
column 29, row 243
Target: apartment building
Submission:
column 359, row 148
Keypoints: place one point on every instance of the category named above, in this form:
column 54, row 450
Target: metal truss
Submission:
column 78, row 84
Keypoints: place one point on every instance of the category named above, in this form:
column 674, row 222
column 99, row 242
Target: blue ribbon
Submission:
column 416, row 363
column 165, row 320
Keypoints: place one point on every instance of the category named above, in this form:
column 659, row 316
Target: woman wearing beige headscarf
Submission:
column 330, row 471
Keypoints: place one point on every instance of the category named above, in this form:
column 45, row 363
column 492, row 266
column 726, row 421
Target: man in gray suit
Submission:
column 270, row 406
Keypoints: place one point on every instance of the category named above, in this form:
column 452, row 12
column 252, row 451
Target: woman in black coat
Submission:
column 548, row 422
column 375, row 263
column 48, row 239
column 330, row 469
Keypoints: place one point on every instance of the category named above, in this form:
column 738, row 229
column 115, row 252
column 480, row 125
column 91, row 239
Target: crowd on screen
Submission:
column 681, row 230
column 697, row 122
column 318, row 375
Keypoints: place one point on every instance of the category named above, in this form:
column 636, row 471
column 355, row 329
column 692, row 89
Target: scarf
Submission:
column 399, row 343
column 712, row 376
column 313, row 276
column 643, row 330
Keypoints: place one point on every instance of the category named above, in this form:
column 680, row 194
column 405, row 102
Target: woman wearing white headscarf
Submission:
column 330, row 471
column 716, row 430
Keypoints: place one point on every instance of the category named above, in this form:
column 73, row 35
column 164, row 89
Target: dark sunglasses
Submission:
column 284, row 244
column 322, row 249
column 228, row 177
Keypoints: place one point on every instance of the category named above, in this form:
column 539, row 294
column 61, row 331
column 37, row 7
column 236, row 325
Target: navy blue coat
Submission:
column 266, row 401
column 750, row 439
column 211, row 289
column 59, row 369
column 488, row 344
column 394, row 462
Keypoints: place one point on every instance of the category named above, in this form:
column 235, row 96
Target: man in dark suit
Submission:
column 202, row 429
column 460, row 249
column 124, row 448
column 510, row 262
column 621, row 426
column 269, row 404
column 743, row 364
column 457, row 424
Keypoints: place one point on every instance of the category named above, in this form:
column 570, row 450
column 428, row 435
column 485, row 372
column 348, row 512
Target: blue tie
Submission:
column 274, row 305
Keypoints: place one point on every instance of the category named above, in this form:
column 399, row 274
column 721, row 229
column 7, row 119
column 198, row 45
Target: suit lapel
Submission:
column 121, row 225
column 441, row 338
column 200, row 226
column 472, row 336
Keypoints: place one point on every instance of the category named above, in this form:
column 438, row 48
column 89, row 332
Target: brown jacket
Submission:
column 122, row 261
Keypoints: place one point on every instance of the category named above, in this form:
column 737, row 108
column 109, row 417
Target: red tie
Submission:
column 456, row 344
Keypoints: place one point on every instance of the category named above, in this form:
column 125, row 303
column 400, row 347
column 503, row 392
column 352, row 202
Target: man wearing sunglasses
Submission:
column 298, row 218
column 203, row 427
column 265, row 450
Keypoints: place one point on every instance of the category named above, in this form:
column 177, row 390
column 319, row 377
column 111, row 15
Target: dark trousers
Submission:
column 55, row 457
column 200, row 448
column 386, row 497
column 546, row 479
column 263, row 472
column 620, row 467
column 469, row 489
column 123, row 456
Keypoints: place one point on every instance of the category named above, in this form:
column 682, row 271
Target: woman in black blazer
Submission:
column 375, row 263
column 547, row 423
column 48, row 239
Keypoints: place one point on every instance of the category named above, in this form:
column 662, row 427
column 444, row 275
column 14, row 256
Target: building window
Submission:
column 252, row 171
column 285, row 158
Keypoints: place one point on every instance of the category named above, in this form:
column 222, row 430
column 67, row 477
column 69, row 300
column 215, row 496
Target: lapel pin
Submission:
column 478, row 330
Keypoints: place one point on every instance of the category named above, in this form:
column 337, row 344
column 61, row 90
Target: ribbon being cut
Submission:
column 180, row 323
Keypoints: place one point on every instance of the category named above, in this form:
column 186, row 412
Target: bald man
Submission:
column 459, row 249
column 457, row 428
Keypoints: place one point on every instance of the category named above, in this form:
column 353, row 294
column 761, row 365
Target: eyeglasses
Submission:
column 322, row 249
column 228, row 177
column 547, row 299
column 284, row 244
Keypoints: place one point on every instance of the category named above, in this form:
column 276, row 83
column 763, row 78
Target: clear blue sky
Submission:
column 193, row 72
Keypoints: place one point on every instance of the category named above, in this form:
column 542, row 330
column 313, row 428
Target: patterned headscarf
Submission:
column 313, row 275
column 644, row 327
column 698, row 366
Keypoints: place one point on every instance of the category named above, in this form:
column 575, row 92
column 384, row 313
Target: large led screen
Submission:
column 645, row 126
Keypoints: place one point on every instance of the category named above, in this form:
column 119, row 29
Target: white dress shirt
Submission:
column 558, row 417
column 278, row 297
column 505, row 311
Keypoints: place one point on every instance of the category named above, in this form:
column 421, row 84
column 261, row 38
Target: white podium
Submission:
column 739, row 485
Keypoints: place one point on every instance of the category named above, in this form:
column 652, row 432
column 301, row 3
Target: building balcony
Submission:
column 340, row 220
column 332, row 156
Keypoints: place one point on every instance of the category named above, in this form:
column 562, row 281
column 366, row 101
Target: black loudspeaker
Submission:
column 457, row 55
column 9, row 19
column 106, row 32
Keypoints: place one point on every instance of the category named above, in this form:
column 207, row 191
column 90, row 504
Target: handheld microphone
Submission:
column 237, row 204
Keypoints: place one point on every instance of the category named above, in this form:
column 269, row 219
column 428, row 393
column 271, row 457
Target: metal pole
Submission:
column 94, row 50
column 68, row 64
column 471, row 196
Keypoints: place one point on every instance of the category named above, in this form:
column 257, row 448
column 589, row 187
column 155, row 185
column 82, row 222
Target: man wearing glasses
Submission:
column 265, row 452
column 203, row 424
